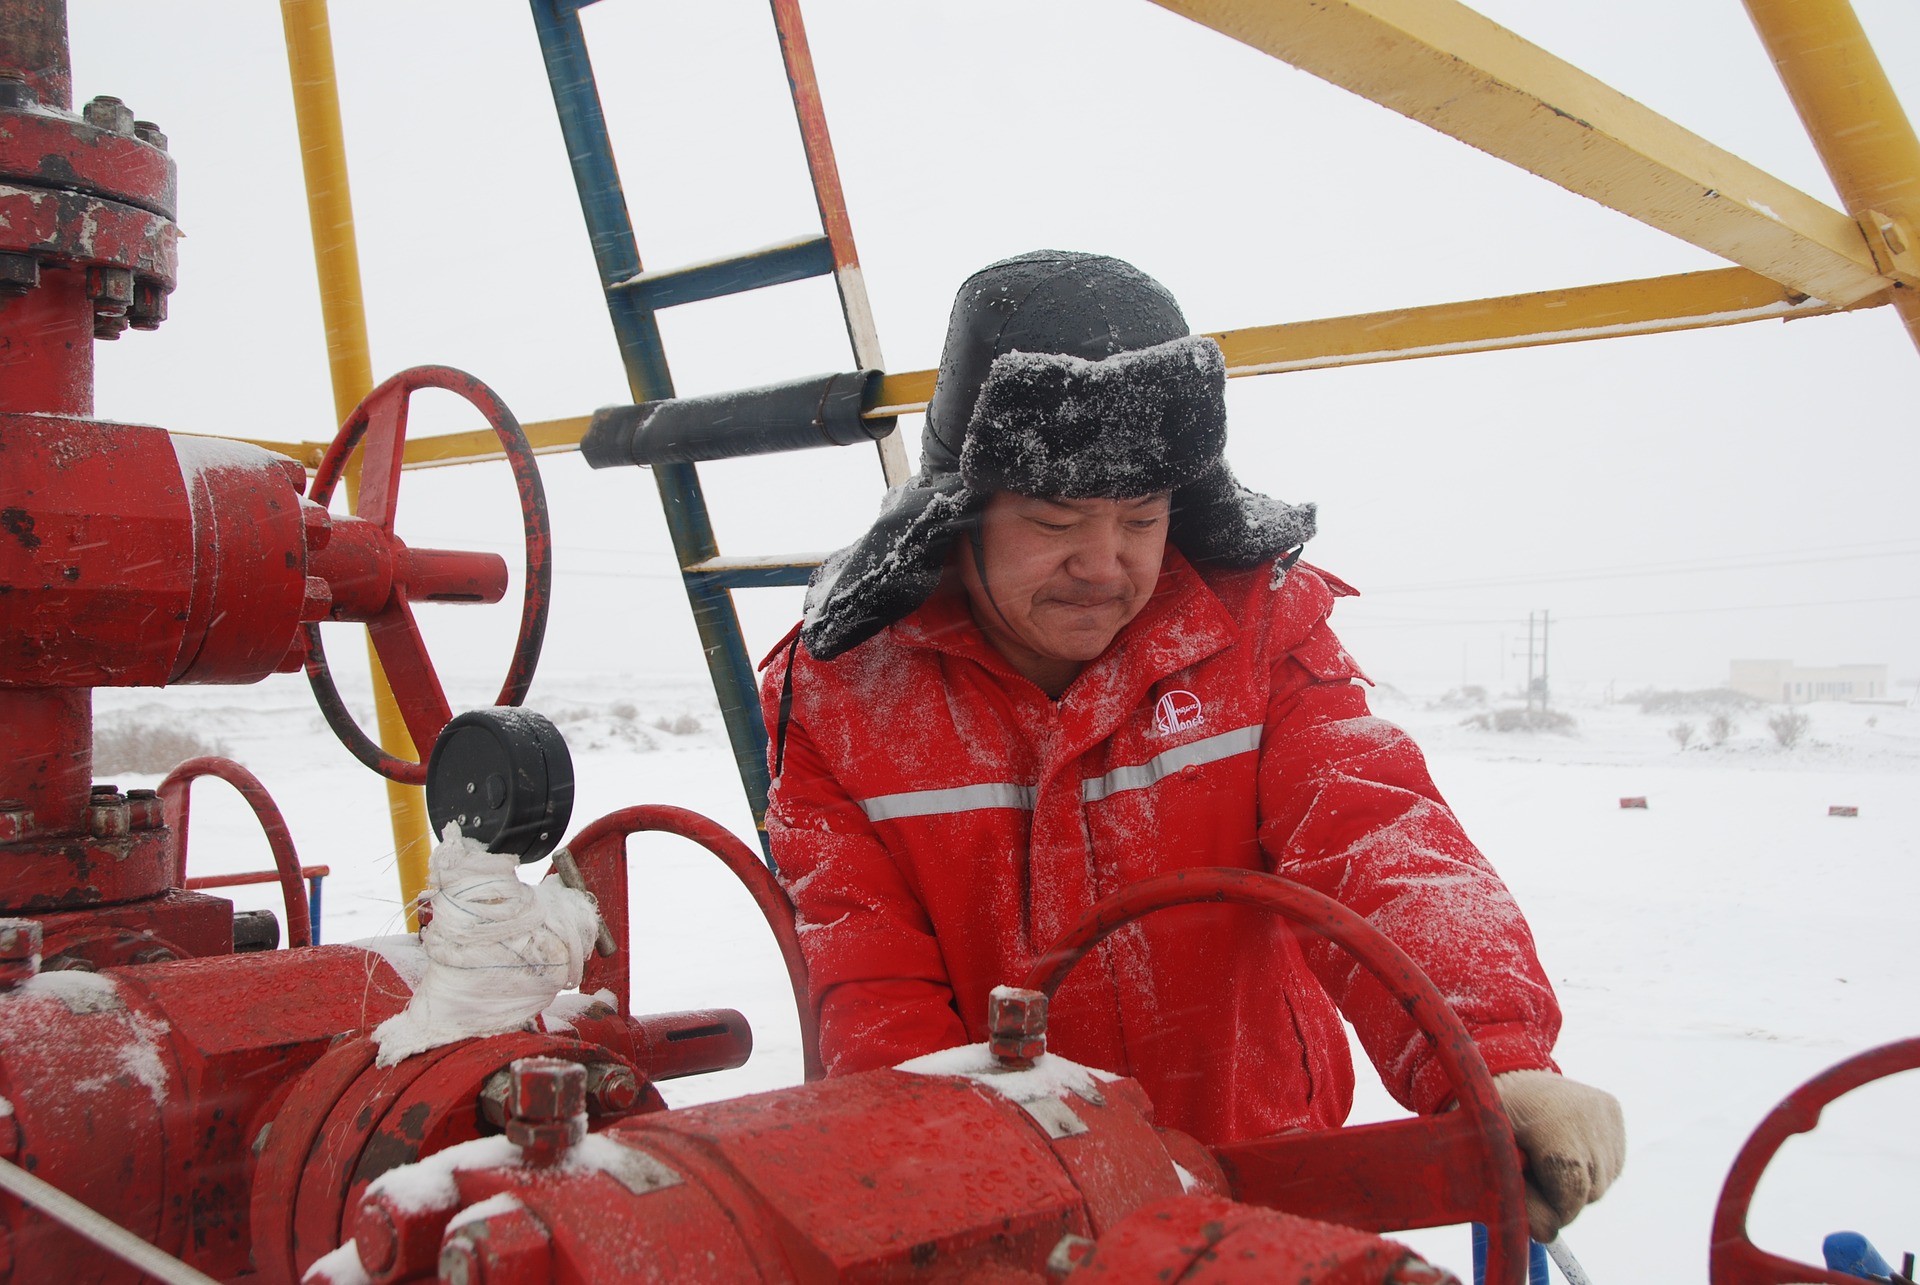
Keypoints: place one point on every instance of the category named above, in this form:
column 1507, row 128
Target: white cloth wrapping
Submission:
column 498, row 950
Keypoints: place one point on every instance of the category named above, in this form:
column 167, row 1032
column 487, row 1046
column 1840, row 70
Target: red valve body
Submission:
column 215, row 1108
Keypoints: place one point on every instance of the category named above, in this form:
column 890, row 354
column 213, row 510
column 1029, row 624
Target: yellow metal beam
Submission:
column 1856, row 123
column 323, row 157
column 1688, row 301
column 1440, row 63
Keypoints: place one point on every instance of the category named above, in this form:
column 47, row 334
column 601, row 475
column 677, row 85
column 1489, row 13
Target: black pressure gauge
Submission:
column 504, row 776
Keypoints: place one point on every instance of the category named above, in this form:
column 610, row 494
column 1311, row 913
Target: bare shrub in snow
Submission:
column 679, row 725
column 1462, row 698
column 1682, row 732
column 625, row 711
column 1704, row 701
column 1523, row 720
column 1720, row 727
column 1788, row 727
column 151, row 748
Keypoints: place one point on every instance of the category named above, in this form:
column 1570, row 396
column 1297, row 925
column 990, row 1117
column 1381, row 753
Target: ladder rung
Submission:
column 774, row 265
column 755, row 572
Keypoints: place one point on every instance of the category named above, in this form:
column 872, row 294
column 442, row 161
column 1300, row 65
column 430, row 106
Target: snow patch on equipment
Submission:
column 569, row 1005
column 82, row 993
column 503, row 1203
column 428, row 1184
column 198, row 455
column 403, row 954
column 340, row 1267
column 1051, row 1076
column 498, row 950
column 141, row 1058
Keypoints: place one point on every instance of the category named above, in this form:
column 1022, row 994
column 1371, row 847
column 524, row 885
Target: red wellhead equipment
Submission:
column 130, row 556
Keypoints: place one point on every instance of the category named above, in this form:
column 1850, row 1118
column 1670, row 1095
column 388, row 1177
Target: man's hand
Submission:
column 1574, row 1139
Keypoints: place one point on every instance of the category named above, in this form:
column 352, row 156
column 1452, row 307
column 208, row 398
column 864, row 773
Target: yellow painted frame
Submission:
column 1441, row 63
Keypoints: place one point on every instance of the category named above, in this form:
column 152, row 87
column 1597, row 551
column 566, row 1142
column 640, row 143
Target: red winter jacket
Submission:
column 939, row 821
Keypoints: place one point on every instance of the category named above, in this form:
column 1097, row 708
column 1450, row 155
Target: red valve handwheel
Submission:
column 1734, row 1259
column 1479, row 1125
column 382, row 420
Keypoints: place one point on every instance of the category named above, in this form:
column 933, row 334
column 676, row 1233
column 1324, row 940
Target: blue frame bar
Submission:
column 313, row 908
column 668, row 289
column 603, row 202
column 751, row 577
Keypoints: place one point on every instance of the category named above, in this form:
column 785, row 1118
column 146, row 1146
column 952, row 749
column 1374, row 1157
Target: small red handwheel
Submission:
column 381, row 419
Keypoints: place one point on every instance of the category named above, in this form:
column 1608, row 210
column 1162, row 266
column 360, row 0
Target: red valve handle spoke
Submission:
column 381, row 420
column 1473, row 1144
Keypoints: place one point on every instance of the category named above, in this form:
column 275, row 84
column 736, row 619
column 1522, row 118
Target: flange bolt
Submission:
column 612, row 1089
column 19, row 273
column 1016, row 1026
column 109, row 113
column 397, row 1242
column 108, row 816
column 19, row 951
column 546, row 1107
column 16, row 820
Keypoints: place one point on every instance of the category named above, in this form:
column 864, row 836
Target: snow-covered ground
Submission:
column 1712, row 951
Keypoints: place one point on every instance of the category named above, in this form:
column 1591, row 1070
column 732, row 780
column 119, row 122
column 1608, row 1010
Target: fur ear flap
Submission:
column 889, row 571
column 1153, row 419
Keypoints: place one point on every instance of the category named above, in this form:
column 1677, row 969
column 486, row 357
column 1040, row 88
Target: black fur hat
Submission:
column 1069, row 375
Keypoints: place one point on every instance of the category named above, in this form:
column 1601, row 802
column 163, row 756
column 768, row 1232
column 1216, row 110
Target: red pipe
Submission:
column 600, row 850
column 48, row 764
column 175, row 795
column 812, row 115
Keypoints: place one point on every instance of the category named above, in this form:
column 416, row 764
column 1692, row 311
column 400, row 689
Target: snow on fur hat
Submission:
column 1064, row 375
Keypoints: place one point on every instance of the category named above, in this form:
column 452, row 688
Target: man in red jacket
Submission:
column 1074, row 653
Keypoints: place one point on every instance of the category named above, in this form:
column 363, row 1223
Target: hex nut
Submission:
column 109, row 113
column 19, row 273
column 1016, row 1026
column 19, row 938
column 612, row 1089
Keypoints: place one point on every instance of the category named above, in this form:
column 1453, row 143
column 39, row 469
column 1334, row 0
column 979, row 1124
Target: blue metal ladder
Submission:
column 635, row 295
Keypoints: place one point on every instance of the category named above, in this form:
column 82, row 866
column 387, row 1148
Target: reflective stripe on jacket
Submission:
column 939, row 821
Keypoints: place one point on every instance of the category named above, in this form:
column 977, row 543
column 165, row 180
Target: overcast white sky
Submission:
column 1675, row 501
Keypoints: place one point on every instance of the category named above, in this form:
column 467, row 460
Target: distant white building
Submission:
column 1784, row 682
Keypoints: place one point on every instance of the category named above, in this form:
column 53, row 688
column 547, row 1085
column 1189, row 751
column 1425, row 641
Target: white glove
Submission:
column 1574, row 1139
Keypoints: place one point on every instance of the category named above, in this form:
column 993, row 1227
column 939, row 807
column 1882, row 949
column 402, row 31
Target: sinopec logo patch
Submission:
column 1176, row 712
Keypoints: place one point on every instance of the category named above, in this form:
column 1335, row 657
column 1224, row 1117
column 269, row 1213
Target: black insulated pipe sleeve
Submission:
column 821, row 410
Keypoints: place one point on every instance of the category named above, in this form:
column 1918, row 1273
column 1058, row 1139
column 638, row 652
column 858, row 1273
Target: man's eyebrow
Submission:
column 1091, row 504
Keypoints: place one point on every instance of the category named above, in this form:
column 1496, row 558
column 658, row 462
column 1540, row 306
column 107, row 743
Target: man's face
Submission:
column 1062, row 577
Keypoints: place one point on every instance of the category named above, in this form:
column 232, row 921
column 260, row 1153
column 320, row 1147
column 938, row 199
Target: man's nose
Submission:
column 1097, row 553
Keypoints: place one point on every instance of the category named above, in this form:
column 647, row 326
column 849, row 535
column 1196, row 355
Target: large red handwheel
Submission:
column 401, row 575
column 1460, row 1165
column 1733, row 1258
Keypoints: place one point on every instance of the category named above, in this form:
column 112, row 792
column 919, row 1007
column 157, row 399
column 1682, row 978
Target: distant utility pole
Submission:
column 1538, row 625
